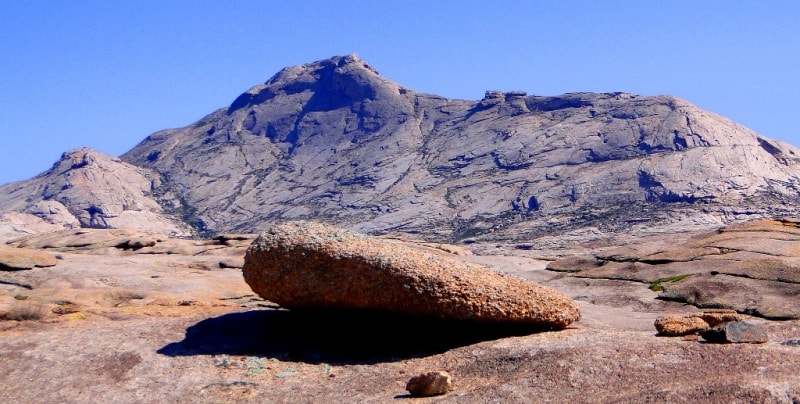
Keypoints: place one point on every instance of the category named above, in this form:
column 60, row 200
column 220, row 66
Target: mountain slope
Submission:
column 333, row 140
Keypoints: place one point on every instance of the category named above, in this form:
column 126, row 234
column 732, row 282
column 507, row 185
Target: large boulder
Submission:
column 302, row 265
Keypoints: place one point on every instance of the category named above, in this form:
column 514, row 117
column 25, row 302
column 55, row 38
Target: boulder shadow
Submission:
column 334, row 337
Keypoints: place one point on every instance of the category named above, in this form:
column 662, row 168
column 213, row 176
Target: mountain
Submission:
column 336, row 142
column 86, row 189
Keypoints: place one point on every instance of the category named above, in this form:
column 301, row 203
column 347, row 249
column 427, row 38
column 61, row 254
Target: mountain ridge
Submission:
column 334, row 141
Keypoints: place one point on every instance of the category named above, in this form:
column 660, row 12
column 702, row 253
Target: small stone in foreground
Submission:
column 736, row 332
column 430, row 384
column 676, row 326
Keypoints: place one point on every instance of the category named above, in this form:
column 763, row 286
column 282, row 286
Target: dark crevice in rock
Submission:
column 609, row 278
column 773, row 150
column 758, row 278
column 679, row 142
column 510, row 166
column 17, row 284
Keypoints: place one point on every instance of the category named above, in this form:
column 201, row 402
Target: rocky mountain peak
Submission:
column 83, row 157
column 334, row 82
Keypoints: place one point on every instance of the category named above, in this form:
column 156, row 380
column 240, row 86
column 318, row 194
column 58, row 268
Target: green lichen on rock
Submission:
column 656, row 285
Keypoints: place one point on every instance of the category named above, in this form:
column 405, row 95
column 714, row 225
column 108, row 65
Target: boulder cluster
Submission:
column 718, row 326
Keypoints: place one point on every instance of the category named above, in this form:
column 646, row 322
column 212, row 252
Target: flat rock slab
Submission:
column 23, row 258
column 304, row 265
column 88, row 239
column 768, row 299
column 751, row 267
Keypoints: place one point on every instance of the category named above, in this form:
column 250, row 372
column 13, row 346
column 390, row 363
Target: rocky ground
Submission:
column 125, row 316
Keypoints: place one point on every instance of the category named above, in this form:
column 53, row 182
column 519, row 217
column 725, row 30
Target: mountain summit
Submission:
column 336, row 142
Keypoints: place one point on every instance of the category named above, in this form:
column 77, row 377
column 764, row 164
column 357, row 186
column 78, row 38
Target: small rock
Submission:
column 736, row 332
column 677, row 326
column 430, row 384
column 66, row 308
column 717, row 317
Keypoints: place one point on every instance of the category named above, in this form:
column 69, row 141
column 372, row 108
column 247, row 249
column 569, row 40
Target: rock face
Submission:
column 86, row 189
column 303, row 265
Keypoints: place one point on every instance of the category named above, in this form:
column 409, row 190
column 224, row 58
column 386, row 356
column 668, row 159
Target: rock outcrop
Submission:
column 229, row 248
column 753, row 268
column 304, row 265
column 24, row 258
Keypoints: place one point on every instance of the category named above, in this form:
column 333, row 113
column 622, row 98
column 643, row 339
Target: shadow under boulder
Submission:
column 335, row 337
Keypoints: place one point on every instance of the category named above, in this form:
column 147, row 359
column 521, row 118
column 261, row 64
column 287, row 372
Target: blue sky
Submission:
column 106, row 74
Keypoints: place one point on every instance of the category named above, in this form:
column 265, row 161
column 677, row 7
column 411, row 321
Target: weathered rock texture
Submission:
column 303, row 265
column 753, row 268
column 676, row 326
column 86, row 189
column 334, row 141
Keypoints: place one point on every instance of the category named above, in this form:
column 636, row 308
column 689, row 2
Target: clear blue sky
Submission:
column 106, row 74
